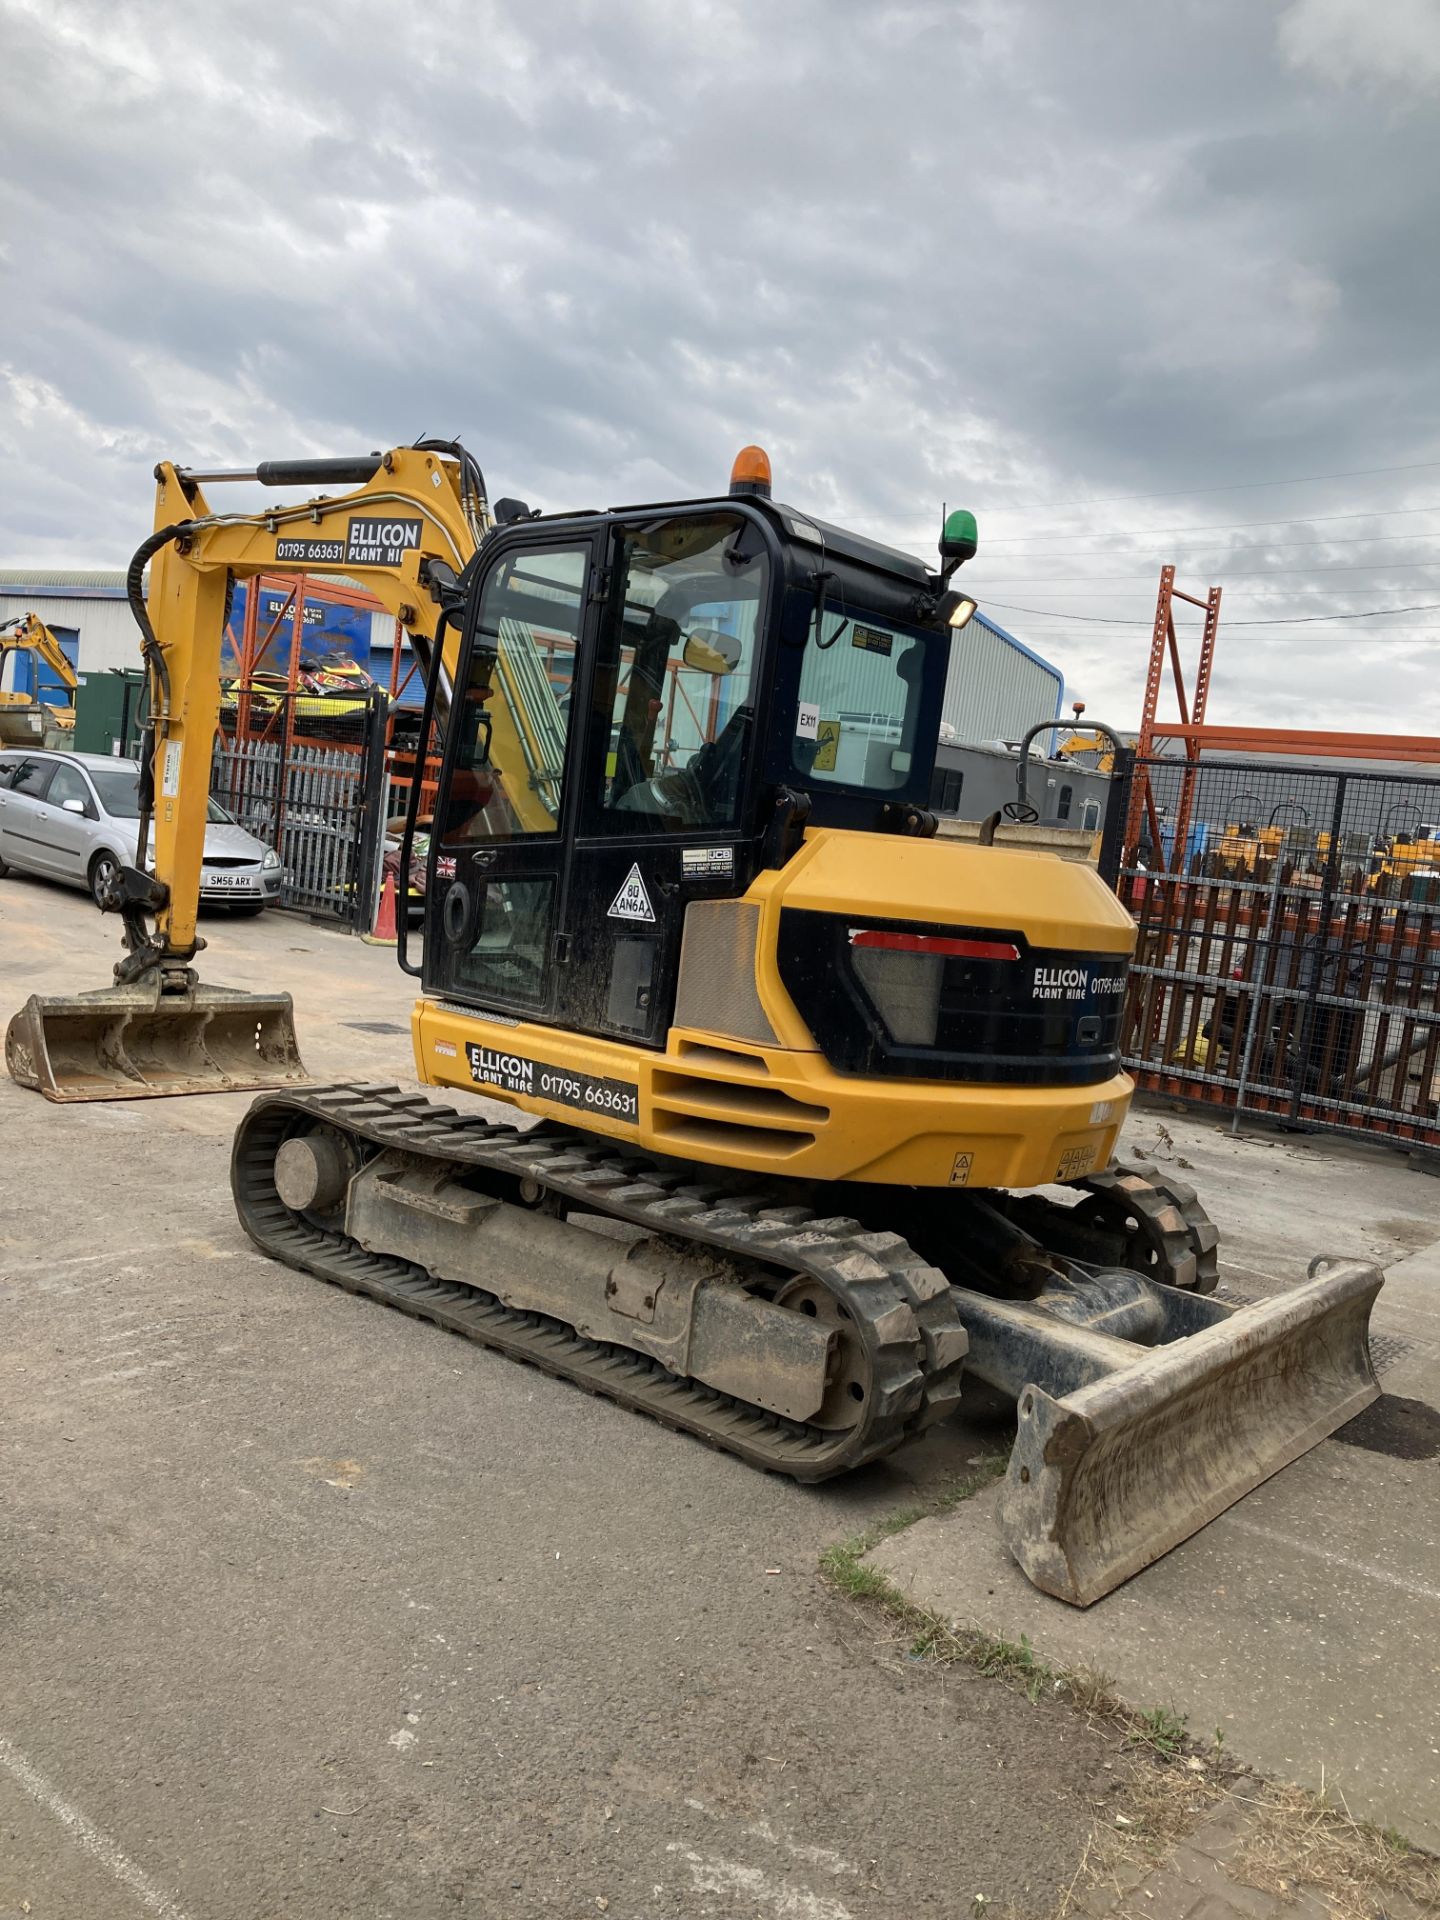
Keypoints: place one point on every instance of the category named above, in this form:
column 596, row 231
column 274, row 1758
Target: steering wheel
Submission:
column 674, row 792
column 683, row 794
column 1020, row 810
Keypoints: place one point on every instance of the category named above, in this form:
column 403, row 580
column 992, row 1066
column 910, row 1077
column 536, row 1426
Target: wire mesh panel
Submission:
column 299, row 783
column 1288, row 957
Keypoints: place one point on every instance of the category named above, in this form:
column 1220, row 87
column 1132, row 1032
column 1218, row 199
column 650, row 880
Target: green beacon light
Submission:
column 959, row 539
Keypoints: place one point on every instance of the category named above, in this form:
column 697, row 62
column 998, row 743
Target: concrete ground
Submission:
column 1304, row 1624
column 307, row 1608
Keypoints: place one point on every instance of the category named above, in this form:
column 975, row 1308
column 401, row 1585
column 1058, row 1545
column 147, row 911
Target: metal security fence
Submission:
column 1288, row 959
column 311, row 787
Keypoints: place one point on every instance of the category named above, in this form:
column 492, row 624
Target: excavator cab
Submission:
column 702, row 682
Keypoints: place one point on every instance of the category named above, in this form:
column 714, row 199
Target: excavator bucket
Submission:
column 133, row 1042
column 1155, row 1441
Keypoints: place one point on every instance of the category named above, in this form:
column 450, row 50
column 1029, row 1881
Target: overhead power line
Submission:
column 1298, row 620
column 1247, row 573
column 1232, row 486
column 1215, row 526
column 1077, row 587
column 1274, row 546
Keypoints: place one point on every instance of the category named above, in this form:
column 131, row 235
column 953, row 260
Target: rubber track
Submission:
column 901, row 1306
column 1172, row 1221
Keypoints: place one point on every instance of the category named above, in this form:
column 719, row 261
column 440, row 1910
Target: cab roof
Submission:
column 793, row 522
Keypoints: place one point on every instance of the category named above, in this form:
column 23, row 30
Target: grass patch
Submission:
column 1301, row 1840
column 1293, row 1843
column 844, row 1564
column 1293, row 1840
column 1162, row 1730
column 1159, row 1807
column 928, row 1636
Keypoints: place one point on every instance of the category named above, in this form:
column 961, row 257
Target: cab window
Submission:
column 510, row 716
column 673, row 709
column 861, row 688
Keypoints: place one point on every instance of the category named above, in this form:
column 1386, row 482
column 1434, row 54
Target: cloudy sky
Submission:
column 1139, row 281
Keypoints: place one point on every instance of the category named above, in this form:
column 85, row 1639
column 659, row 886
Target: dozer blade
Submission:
column 1109, row 1475
column 133, row 1042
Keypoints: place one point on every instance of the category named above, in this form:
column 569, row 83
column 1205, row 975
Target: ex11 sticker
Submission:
column 807, row 721
column 632, row 902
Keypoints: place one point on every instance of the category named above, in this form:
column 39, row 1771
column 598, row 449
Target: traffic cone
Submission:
column 383, row 932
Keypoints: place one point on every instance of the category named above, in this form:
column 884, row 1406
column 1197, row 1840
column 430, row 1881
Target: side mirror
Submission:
column 709, row 650
column 73, row 806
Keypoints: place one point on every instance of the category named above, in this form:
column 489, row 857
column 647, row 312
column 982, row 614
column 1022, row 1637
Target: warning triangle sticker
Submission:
column 632, row 902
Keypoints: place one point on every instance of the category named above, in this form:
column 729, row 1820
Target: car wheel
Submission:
column 247, row 909
column 104, row 872
column 4, row 868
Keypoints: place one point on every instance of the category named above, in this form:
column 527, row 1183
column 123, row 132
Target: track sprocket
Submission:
column 1167, row 1233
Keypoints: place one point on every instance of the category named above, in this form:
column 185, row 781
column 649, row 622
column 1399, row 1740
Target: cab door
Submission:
column 497, row 867
column 665, row 813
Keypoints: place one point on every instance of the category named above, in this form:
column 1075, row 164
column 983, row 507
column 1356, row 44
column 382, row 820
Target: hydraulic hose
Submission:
column 158, row 672
column 474, row 496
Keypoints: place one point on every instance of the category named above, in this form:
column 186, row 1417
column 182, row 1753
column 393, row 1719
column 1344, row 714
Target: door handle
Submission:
column 458, row 914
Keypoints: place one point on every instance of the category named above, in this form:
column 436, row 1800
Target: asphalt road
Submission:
column 307, row 1608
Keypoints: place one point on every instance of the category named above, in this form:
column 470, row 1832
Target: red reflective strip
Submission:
column 875, row 937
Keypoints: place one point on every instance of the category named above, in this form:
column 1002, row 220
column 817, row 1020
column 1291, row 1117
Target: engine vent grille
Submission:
column 716, row 991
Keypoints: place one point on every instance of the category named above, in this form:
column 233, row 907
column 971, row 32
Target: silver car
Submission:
column 72, row 816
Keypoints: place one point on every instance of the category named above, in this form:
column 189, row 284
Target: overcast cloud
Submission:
column 1013, row 256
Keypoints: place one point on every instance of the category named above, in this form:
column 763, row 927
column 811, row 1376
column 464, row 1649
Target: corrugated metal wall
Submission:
column 996, row 687
column 108, row 635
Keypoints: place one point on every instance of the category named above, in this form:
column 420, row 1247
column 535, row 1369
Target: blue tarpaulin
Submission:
column 327, row 628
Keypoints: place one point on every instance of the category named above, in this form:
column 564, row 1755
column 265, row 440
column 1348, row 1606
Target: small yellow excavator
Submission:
column 805, row 1064
column 25, row 719
column 1087, row 748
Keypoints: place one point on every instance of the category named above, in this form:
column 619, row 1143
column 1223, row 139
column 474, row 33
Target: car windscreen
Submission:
column 118, row 791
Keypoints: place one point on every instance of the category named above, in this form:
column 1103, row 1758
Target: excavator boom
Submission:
column 407, row 529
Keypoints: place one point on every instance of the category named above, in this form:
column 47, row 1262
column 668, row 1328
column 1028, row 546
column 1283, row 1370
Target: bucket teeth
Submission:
column 133, row 1042
column 1107, row 1478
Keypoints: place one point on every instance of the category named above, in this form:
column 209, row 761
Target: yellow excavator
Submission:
column 804, row 1065
column 26, row 719
column 1087, row 748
